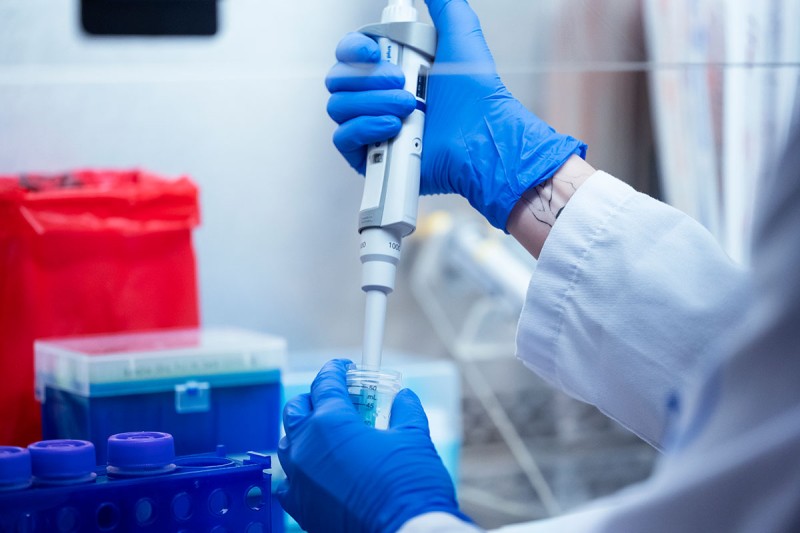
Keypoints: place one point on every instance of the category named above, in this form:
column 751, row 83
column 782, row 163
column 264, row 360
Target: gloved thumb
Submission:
column 460, row 36
column 407, row 412
column 330, row 386
column 452, row 16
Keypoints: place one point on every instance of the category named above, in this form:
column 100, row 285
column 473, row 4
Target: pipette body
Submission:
column 391, row 189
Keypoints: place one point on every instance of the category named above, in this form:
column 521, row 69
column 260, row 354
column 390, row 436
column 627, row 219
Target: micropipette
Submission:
column 391, row 189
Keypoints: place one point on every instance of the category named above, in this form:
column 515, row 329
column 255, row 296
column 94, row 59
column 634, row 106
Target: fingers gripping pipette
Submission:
column 391, row 189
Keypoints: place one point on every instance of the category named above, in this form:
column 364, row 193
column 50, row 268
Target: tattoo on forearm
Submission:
column 544, row 203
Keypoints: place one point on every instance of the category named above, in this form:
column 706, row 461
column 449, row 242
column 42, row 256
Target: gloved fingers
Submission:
column 357, row 159
column 361, row 77
column 285, row 497
column 355, row 134
column 296, row 503
column 344, row 106
column 358, row 48
column 282, row 490
column 407, row 413
column 330, row 386
column 296, row 411
column 284, row 456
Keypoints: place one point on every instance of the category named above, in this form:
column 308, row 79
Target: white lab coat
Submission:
column 634, row 308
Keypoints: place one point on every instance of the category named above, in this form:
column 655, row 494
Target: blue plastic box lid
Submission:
column 135, row 363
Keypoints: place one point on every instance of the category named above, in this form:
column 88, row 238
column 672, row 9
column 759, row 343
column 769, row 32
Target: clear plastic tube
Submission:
column 373, row 392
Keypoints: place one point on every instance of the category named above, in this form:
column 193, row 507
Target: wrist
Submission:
column 531, row 153
column 535, row 214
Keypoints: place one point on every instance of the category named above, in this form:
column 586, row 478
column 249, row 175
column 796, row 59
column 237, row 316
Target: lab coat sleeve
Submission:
column 438, row 522
column 581, row 521
column 732, row 463
column 627, row 298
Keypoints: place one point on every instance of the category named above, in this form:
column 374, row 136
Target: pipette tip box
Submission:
column 204, row 386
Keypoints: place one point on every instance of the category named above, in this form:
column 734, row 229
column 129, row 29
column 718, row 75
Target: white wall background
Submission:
column 243, row 113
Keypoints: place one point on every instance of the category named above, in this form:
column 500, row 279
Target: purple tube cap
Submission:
column 63, row 461
column 15, row 468
column 141, row 453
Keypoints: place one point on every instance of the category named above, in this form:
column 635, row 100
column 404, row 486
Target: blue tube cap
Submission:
column 62, row 462
column 15, row 468
column 141, row 453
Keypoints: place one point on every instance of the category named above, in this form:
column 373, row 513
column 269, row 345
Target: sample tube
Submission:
column 15, row 468
column 62, row 462
column 140, row 453
column 373, row 392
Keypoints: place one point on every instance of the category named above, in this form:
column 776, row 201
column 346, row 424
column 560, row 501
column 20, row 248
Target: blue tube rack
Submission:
column 50, row 487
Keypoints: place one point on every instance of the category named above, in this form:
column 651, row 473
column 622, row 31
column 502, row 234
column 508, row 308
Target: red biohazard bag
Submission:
column 87, row 252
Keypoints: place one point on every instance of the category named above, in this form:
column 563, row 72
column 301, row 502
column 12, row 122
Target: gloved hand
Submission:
column 342, row 475
column 480, row 142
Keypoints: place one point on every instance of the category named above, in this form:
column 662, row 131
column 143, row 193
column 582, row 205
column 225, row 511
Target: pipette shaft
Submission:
column 391, row 188
column 374, row 325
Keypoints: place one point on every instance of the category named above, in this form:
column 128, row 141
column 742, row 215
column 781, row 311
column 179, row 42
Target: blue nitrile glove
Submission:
column 480, row 142
column 343, row 476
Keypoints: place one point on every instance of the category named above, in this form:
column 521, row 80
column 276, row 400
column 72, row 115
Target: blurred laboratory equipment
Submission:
column 88, row 252
column 723, row 82
column 471, row 281
column 55, row 485
column 457, row 252
column 204, row 386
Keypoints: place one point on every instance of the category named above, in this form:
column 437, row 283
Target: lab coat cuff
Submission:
column 438, row 522
column 565, row 253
